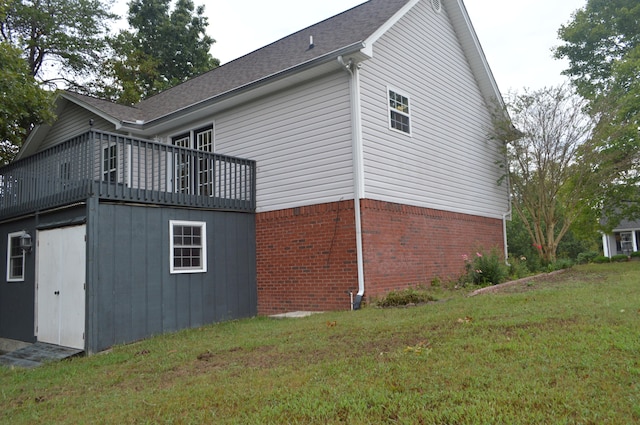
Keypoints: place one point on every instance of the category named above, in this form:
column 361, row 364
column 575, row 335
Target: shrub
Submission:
column 619, row 258
column 601, row 259
column 518, row 267
column 485, row 269
column 586, row 257
column 635, row 254
column 563, row 263
column 407, row 296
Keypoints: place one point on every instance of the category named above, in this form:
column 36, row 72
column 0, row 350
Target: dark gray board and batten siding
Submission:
column 130, row 292
column 134, row 295
column 17, row 299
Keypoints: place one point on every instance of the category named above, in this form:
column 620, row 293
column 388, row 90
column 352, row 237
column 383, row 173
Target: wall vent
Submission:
column 437, row 5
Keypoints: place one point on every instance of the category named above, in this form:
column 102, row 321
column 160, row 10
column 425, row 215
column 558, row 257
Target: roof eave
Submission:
column 368, row 48
column 35, row 134
column 475, row 53
column 96, row 111
column 148, row 126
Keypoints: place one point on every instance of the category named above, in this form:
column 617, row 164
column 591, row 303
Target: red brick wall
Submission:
column 306, row 258
column 406, row 245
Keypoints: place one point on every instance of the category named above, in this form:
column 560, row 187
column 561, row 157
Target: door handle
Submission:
column 56, row 292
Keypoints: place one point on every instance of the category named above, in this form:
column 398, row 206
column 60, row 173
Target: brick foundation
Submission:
column 306, row 256
column 405, row 245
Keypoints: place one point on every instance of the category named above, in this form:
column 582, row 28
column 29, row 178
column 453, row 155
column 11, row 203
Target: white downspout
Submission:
column 504, row 216
column 358, row 170
column 504, row 235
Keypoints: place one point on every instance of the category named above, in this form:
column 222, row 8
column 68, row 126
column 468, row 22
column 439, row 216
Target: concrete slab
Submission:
column 8, row 345
column 295, row 314
column 36, row 354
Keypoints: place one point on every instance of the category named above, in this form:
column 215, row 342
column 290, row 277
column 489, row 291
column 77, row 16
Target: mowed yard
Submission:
column 561, row 350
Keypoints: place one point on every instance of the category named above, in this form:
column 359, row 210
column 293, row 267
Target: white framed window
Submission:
column 183, row 164
column 110, row 163
column 399, row 112
column 188, row 246
column 204, row 142
column 194, row 175
column 15, row 258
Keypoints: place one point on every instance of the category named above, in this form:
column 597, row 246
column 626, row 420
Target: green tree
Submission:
column 599, row 35
column 164, row 48
column 61, row 40
column 602, row 44
column 547, row 183
column 22, row 101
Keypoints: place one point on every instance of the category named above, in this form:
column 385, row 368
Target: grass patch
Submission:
column 564, row 350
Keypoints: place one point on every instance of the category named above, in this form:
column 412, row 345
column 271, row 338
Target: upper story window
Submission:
column 399, row 112
column 191, row 177
column 110, row 163
column 188, row 241
column 15, row 258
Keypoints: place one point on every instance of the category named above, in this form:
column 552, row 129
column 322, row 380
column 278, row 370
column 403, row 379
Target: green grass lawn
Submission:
column 565, row 350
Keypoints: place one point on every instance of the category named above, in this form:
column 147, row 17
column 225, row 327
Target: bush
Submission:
column 600, row 259
column 620, row 258
column 635, row 254
column 407, row 296
column 586, row 257
column 518, row 267
column 485, row 269
column 563, row 263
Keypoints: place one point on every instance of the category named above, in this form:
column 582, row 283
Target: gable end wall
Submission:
column 72, row 121
column 448, row 162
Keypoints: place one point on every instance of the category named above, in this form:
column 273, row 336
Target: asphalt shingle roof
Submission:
column 345, row 29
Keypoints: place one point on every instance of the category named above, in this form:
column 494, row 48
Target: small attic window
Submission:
column 437, row 5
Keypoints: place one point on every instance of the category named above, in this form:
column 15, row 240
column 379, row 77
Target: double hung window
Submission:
column 15, row 258
column 399, row 112
column 188, row 240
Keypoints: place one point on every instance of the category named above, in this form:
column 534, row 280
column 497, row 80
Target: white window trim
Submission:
column 408, row 115
column 191, row 132
column 107, row 172
column 203, row 262
column 9, row 278
column 190, row 136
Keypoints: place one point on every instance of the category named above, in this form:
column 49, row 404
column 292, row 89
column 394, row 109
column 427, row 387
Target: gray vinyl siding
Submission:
column 73, row 120
column 448, row 161
column 300, row 139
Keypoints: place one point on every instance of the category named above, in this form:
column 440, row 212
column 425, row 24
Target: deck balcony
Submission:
column 118, row 168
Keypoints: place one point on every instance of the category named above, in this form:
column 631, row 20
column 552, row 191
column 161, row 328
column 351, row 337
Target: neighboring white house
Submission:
column 624, row 239
column 370, row 132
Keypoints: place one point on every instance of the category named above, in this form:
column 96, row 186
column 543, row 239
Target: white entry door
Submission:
column 60, row 283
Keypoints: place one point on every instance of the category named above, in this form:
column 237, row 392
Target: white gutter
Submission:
column 358, row 169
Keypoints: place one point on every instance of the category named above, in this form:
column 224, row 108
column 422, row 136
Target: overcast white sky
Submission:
column 516, row 35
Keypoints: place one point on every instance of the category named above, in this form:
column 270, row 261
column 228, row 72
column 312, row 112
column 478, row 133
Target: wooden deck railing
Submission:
column 121, row 168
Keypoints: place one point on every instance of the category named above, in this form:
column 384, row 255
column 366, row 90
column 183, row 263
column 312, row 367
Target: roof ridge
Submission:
column 331, row 34
column 266, row 46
